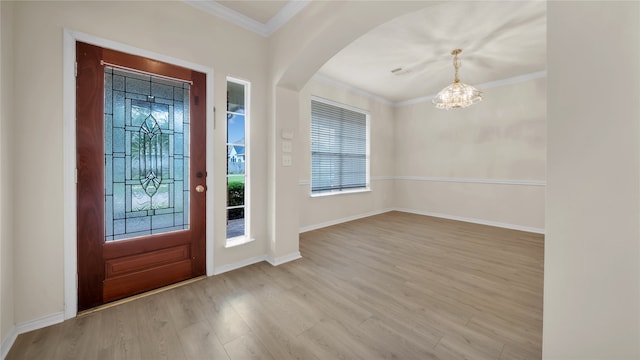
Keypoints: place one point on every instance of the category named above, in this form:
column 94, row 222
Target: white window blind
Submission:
column 338, row 148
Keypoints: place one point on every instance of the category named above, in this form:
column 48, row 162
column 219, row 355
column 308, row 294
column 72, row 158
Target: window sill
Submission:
column 237, row 241
column 331, row 193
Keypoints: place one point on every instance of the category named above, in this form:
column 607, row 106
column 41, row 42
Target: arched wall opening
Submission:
column 296, row 53
column 586, row 168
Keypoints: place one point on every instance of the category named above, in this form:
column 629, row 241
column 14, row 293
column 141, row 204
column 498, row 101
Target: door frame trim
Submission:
column 69, row 154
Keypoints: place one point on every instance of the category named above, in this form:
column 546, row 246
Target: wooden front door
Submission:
column 141, row 174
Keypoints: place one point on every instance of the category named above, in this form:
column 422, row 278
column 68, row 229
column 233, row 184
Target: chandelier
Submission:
column 457, row 95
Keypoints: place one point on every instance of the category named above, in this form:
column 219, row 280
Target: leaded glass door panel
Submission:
column 146, row 155
column 141, row 174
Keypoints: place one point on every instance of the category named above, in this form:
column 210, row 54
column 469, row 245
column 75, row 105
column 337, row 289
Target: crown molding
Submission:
column 488, row 85
column 223, row 12
column 483, row 86
column 285, row 14
column 282, row 17
column 339, row 84
column 414, row 101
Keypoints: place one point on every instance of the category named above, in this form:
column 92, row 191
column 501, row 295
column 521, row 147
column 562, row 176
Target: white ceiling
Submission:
column 499, row 40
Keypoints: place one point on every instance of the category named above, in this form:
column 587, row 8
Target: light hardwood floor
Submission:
column 391, row 286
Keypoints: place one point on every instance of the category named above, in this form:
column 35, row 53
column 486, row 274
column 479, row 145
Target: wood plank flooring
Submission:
column 391, row 286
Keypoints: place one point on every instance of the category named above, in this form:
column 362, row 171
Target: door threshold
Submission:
column 139, row 296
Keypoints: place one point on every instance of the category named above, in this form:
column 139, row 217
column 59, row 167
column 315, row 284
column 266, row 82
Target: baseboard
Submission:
column 254, row 260
column 8, row 341
column 284, row 259
column 474, row 221
column 426, row 213
column 239, row 264
column 41, row 322
column 342, row 220
column 25, row 327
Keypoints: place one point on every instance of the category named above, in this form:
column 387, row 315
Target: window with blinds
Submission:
column 339, row 148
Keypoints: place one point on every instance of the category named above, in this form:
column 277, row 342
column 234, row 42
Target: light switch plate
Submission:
column 286, row 146
column 286, row 160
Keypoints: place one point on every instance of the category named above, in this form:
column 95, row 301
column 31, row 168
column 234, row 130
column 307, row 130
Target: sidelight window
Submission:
column 237, row 161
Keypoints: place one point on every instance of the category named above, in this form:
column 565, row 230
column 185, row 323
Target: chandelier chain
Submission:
column 456, row 63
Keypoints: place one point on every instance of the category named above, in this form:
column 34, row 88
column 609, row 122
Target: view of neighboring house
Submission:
column 236, row 154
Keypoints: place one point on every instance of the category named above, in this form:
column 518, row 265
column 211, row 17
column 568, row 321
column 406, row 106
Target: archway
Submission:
column 298, row 51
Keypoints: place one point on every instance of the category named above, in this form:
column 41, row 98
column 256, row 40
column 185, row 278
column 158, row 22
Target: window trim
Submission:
column 367, row 187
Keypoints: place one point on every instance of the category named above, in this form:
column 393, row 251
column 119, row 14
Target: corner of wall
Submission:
column 8, row 331
column 7, row 342
column 25, row 327
column 284, row 259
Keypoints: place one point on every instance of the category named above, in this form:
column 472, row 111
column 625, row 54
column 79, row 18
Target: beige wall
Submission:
column 592, row 247
column 7, row 286
column 323, row 210
column 172, row 29
column 484, row 163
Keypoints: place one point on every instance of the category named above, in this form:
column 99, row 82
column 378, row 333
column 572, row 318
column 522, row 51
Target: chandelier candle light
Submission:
column 457, row 95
